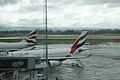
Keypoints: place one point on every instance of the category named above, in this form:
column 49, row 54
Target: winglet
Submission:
column 79, row 42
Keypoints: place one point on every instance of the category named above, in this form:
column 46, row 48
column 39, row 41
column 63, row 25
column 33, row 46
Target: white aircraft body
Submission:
column 55, row 56
column 40, row 53
column 28, row 41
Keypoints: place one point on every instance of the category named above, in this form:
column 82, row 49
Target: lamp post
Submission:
column 46, row 39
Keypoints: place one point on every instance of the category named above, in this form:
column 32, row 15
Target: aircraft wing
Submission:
column 11, row 38
column 64, row 58
column 12, row 50
column 59, row 58
column 9, row 50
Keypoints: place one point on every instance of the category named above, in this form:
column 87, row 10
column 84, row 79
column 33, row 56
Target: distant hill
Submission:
column 17, row 28
column 5, row 28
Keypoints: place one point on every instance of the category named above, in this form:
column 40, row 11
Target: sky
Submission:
column 61, row 13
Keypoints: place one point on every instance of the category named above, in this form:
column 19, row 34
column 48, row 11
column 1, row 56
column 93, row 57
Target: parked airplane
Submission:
column 28, row 41
column 55, row 56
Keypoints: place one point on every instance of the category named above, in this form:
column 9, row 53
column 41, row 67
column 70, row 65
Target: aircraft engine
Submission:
column 54, row 63
column 80, row 50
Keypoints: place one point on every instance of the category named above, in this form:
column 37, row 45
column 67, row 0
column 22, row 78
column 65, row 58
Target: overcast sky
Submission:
column 61, row 13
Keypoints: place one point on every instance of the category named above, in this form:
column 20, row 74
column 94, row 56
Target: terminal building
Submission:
column 22, row 68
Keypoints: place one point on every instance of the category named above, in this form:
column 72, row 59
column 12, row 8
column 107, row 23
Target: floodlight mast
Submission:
column 46, row 39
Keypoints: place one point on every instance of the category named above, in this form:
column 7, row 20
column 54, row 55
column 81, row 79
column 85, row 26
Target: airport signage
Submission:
column 13, row 63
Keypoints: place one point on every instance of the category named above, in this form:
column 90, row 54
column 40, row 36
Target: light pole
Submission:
column 46, row 39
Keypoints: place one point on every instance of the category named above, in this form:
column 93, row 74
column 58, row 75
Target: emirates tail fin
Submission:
column 79, row 42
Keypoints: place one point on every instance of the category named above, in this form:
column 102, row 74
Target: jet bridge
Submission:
column 22, row 67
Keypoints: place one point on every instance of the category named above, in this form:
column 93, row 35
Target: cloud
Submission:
column 6, row 2
column 62, row 13
column 110, row 3
column 30, row 23
column 30, row 6
column 100, row 1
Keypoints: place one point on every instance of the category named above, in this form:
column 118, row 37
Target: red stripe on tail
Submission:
column 33, row 32
column 73, row 48
column 30, row 41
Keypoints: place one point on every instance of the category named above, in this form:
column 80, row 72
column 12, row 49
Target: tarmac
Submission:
column 103, row 64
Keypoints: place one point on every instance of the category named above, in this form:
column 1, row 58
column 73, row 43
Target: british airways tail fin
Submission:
column 31, row 38
column 79, row 42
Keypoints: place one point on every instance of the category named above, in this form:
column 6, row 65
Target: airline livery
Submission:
column 55, row 56
column 28, row 41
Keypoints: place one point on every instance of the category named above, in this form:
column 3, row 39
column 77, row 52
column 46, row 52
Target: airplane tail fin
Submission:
column 79, row 42
column 31, row 38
